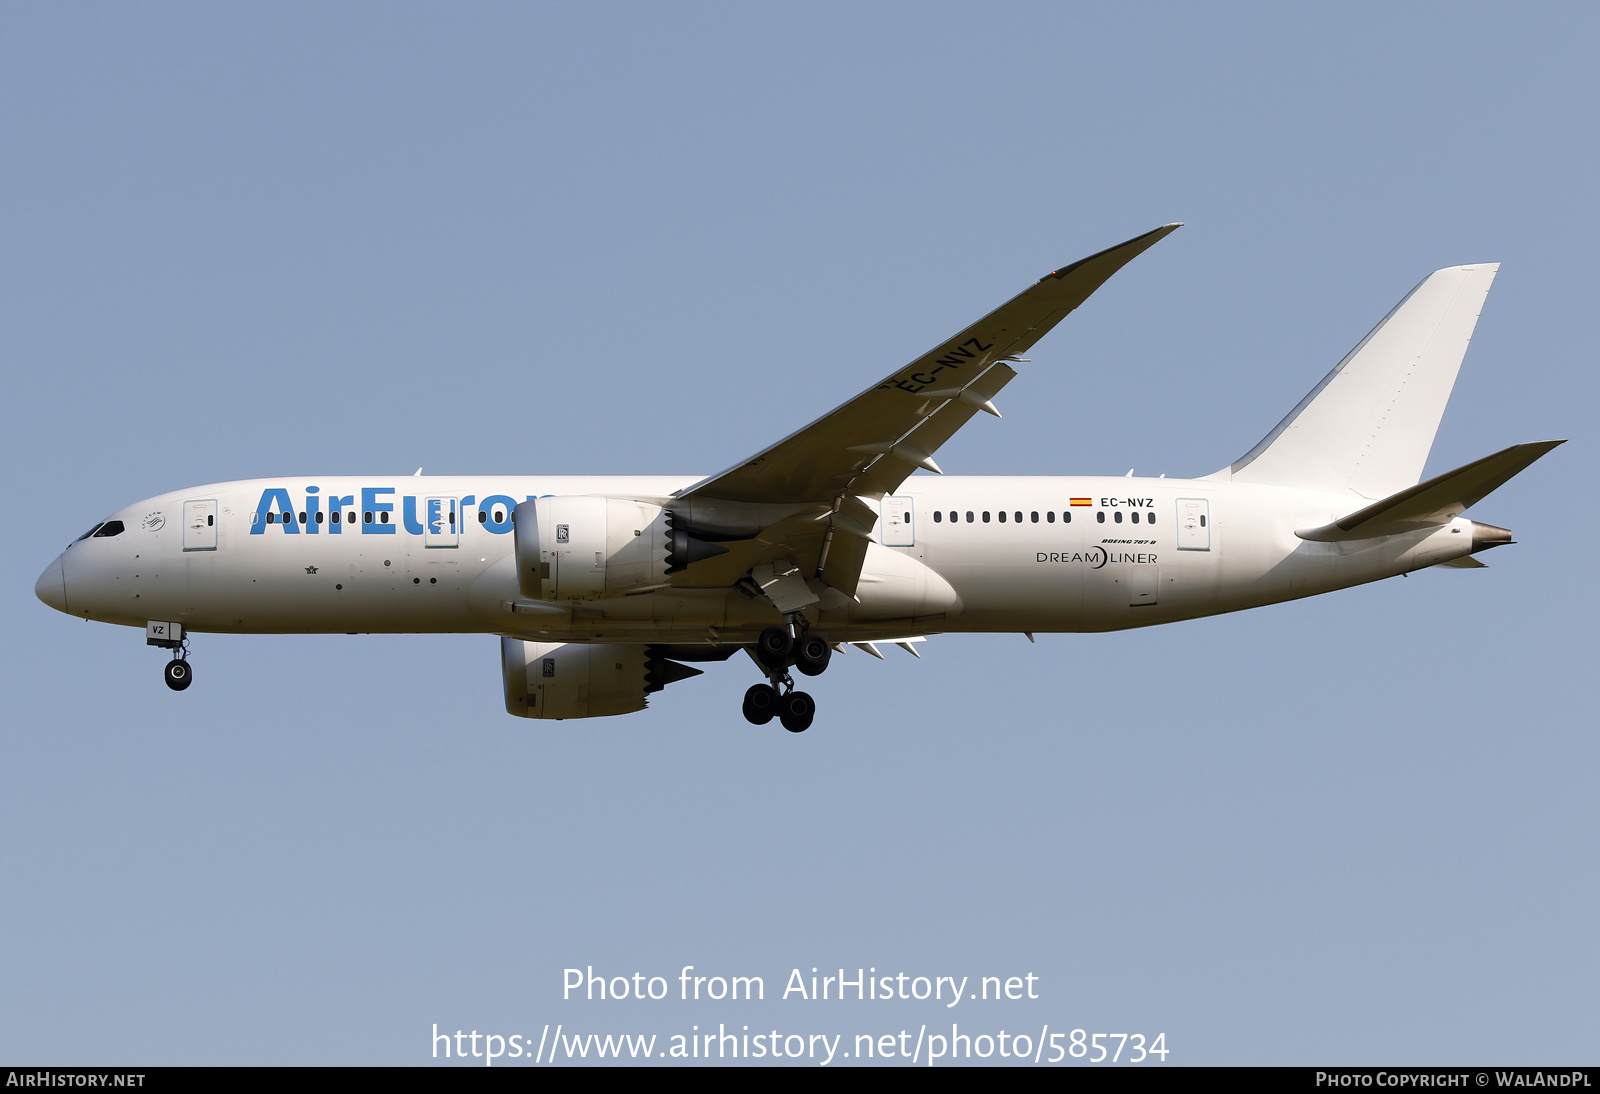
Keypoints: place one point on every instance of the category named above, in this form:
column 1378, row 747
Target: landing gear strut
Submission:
column 776, row 650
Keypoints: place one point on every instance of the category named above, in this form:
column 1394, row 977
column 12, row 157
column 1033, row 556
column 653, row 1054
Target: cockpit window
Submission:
column 108, row 529
column 89, row 533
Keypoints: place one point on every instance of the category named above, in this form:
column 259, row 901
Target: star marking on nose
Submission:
column 311, row 569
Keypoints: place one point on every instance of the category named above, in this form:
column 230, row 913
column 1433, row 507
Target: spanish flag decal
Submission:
column 1082, row 501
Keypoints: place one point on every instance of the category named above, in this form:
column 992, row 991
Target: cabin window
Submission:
column 302, row 518
column 1002, row 516
column 366, row 518
column 1117, row 516
column 938, row 515
column 969, row 516
column 1136, row 518
column 1035, row 516
column 1066, row 517
column 483, row 518
column 1050, row 517
column 350, row 518
column 1100, row 515
column 1202, row 520
column 319, row 518
column 1149, row 518
column 272, row 518
column 383, row 518
column 1019, row 516
column 986, row 516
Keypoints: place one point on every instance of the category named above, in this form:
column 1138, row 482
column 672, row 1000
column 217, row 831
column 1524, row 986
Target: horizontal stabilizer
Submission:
column 1465, row 562
column 1437, row 501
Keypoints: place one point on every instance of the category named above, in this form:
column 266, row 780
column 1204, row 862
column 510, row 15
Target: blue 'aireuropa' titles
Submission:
column 276, row 509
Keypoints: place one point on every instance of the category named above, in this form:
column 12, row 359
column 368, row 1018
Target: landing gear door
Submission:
column 199, row 526
column 441, row 522
column 896, row 526
column 1194, row 524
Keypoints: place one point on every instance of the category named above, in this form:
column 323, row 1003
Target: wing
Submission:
column 868, row 446
column 811, row 485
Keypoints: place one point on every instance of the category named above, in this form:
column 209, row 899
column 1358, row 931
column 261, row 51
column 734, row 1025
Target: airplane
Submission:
column 604, row 590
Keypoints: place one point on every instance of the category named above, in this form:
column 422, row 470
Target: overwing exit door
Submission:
column 441, row 522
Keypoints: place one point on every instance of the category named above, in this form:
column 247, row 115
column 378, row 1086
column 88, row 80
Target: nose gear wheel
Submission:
column 178, row 674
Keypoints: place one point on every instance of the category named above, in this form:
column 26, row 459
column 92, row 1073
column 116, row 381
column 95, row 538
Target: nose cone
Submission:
column 52, row 586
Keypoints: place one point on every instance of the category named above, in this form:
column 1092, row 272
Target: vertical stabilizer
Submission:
column 1367, row 427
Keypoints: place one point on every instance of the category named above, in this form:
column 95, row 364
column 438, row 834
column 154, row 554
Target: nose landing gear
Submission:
column 776, row 650
column 171, row 636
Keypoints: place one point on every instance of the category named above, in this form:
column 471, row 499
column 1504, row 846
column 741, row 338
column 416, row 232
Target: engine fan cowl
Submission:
column 582, row 680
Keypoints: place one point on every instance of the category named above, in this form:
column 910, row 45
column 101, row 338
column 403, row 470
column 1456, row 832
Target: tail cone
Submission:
column 1485, row 536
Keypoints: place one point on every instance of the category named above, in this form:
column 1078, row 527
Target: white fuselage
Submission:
column 1138, row 552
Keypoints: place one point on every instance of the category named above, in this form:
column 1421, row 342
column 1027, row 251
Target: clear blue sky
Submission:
column 286, row 239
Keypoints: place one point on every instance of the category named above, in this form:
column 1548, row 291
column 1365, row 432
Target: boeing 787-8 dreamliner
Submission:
column 604, row 590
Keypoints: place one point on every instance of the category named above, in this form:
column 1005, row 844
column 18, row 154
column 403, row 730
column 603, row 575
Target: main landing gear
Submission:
column 776, row 650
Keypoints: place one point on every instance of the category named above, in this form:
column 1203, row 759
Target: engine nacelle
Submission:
column 579, row 680
column 585, row 548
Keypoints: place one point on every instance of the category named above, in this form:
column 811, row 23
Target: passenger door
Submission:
column 441, row 522
column 1194, row 524
column 200, row 525
column 898, row 528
